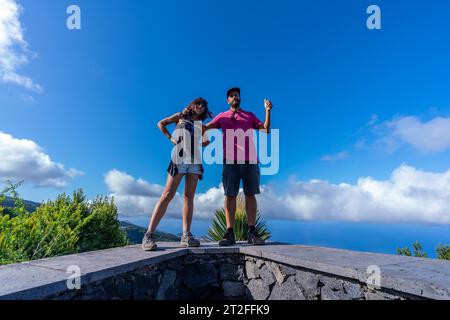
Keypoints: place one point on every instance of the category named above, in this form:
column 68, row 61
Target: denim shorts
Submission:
column 232, row 175
column 190, row 168
column 185, row 168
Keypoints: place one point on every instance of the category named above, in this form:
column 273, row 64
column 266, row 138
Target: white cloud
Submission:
column 408, row 196
column 22, row 159
column 14, row 51
column 124, row 184
column 336, row 157
column 135, row 197
column 428, row 137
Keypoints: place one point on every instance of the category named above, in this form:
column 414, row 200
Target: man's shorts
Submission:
column 232, row 175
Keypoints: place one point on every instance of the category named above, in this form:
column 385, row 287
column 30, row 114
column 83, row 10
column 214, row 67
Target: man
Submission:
column 240, row 162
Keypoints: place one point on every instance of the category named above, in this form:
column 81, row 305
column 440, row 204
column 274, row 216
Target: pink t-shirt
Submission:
column 238, row 132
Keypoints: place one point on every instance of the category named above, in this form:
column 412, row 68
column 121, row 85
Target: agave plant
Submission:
column 219, row 225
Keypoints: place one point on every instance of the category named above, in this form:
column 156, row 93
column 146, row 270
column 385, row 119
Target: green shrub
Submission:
column 64, row 226
column 219, row 226
column 443, row 252
column 417, row 251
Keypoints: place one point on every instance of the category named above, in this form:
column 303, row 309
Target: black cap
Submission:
column 233, row 89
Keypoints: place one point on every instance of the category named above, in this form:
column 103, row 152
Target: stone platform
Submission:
column 275, row 271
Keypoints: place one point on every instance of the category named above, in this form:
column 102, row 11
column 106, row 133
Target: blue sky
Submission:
column 349, row 102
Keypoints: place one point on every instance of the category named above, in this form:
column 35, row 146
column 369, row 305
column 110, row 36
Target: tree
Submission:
column 417, row 251
column 219, row 226
column 443, row 252
column 66, row 225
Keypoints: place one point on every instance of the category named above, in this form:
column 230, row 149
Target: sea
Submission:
column 369, row 237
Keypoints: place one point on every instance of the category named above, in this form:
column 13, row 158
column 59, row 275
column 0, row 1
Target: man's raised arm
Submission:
column 265, row 127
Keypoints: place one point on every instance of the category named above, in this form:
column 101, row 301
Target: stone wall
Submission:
column 274, row 271
column 269, row 280
column 191, row 277
column 225, row 277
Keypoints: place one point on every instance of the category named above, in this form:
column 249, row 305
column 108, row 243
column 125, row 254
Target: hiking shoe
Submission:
column 188, row 240
column 228, row 239
column 253, row 238
column 148, row 243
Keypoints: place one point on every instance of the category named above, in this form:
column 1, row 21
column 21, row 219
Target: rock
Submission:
column 199, row 276
column 259, row 262
column 231, row 272
column 144, row 287
column 173, row 291
column 281, row 272
column 338, row 289
column 119, row 288
column 233, row 289
column 332, row 283
column 252, row 271
column 258, row 290
column 190, row 259
column 175, row 264
column 379, row 295
column 309, row 282
column 101, row 295
column 184, row 294
column 354, row 290
column 326, row 293
column 235, row 259
column 289, row 290
column 333, row 289
column 70, row 295
column 167, row 281
column 267, row 276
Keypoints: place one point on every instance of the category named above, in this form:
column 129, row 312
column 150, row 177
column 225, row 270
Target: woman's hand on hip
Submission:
column 174, row 142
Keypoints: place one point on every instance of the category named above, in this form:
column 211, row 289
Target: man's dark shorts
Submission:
column 232, row 174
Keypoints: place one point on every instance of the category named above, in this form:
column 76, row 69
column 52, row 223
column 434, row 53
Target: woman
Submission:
column 181, row 166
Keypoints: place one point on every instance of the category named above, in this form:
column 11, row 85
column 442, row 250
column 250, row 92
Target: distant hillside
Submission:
column 136, row 233
column 29, row 205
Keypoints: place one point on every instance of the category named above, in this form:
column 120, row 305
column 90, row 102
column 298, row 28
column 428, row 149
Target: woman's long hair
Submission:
column 190, row 112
